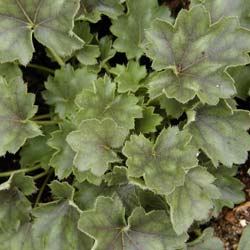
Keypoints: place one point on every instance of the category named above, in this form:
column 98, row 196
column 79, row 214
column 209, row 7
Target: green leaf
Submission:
column 92, row 10
column 55, row 227
column 51, row 24
column 36, row 150
column 241, row 76
column 64, row 86
column 118, row 176
column 103, row 103
column 221, row 133
column 10, row 71
column 244, row 243
column 130, row 27
column 62, row 190
column 106, row 224
column 62, row 159
column 106, row 49
column 193, row 200
column 207, row 241
column 231, row 188
column 162, row 164
column 16, row 109
column 149, row 121
column 129, row 77
column 94, row 143
column 192, row 58
column 218, row 9
column 14, row 206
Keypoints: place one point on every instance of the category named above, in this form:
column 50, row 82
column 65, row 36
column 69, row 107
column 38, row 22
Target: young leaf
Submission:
column 130, row 27
column 192, row 57
column 102, row 103
column 220, row 8
column 50, row 22
column 193, row 200
column 94, row 143
column 16, row 109
column 106, row 224
column 221, row 133
column 162, row 164
column 36, row 150
column 130, row 76
column 207, row 241
column 64, row 86
column 149, row 121
column 62, row 159
column 91, row 10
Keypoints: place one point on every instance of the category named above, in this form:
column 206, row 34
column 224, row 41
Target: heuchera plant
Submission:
column 136, row 128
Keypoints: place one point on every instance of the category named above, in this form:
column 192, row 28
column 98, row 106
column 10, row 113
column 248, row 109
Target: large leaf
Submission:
column 106, row 224
column 92, row 9
column 221, row 133
column 162, row 164
column 64, row 86
column 55, row 223
column 193, row 200
column 16, row 109
column 94, row 143
column 103, row 103
column 50, row 22
column 193, row 56
column 130, row 27
column 220, row 8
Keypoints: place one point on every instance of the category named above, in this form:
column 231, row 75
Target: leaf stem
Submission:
column 38, row 198
column 57, row 57
column 23, row 170
column 40, row 117
column 40, row 67
column 51, row 122
column 38, row 176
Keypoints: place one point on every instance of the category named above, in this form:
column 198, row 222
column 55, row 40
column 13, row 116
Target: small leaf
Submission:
column 91, row 10
column 36, row 150
column 118, row 176
column 130, row 27
column 192, row 60
column 103, row 103
column 193, row 200
column 244, row 243
column 129, row 77
column 64, row 86
column 51, row 24
column 231, row 188
column 106, row 224
column 207, row 241
column 162, row 164
column 241, row 76
column 149, row 121
column 221, row 133
column 16, row 109
column 62, row 190
column 62, row 159
column 94, row 143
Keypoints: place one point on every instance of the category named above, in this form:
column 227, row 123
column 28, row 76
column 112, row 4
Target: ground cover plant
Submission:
column 123, row 123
